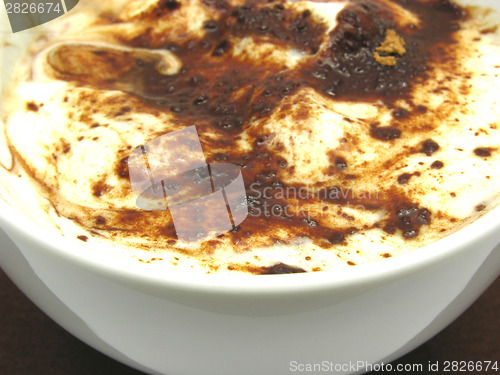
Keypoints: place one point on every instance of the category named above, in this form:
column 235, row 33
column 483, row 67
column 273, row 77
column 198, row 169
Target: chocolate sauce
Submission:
column 225, row 95
column 278, row 23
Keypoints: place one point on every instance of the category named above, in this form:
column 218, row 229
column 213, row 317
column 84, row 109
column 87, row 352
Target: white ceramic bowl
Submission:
column 184, row 324
column 179, row 323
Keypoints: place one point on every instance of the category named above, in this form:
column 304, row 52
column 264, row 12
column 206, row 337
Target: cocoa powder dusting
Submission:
column 225, row 96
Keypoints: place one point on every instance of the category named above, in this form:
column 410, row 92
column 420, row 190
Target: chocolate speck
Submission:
column 66, row 147
column 389, row 229
column 490, row 30
column 437, row 164
column 170, row 4
column 400, row 113
column 32, row 106
column 483, row 152
column 122, row 168
column 411, row 233
column 385, row 133
column 221, row 48
column 100, row 220
column 83, row 238
column 211, row 26
column 480, row 207
column 409, row 220
column 404, row 178
column 100, row 188
column 282, row 163
column 423, row 217
column 310, row 222
column 336, row 238
column 429, row 147
column 123, row 110
column 280, row 269
column 421, row 109
column 340, row 163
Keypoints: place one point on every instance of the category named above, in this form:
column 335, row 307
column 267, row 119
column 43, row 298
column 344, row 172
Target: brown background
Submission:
column 31, row 343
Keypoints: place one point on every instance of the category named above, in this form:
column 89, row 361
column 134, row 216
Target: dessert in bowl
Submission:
column 361, row 131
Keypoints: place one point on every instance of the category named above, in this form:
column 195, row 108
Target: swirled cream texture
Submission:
column 361, row 129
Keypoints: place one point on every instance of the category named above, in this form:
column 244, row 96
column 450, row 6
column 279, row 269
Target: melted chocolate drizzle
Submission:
column 216, row 91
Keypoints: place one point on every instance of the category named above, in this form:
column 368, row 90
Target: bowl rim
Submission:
column 56, row 245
